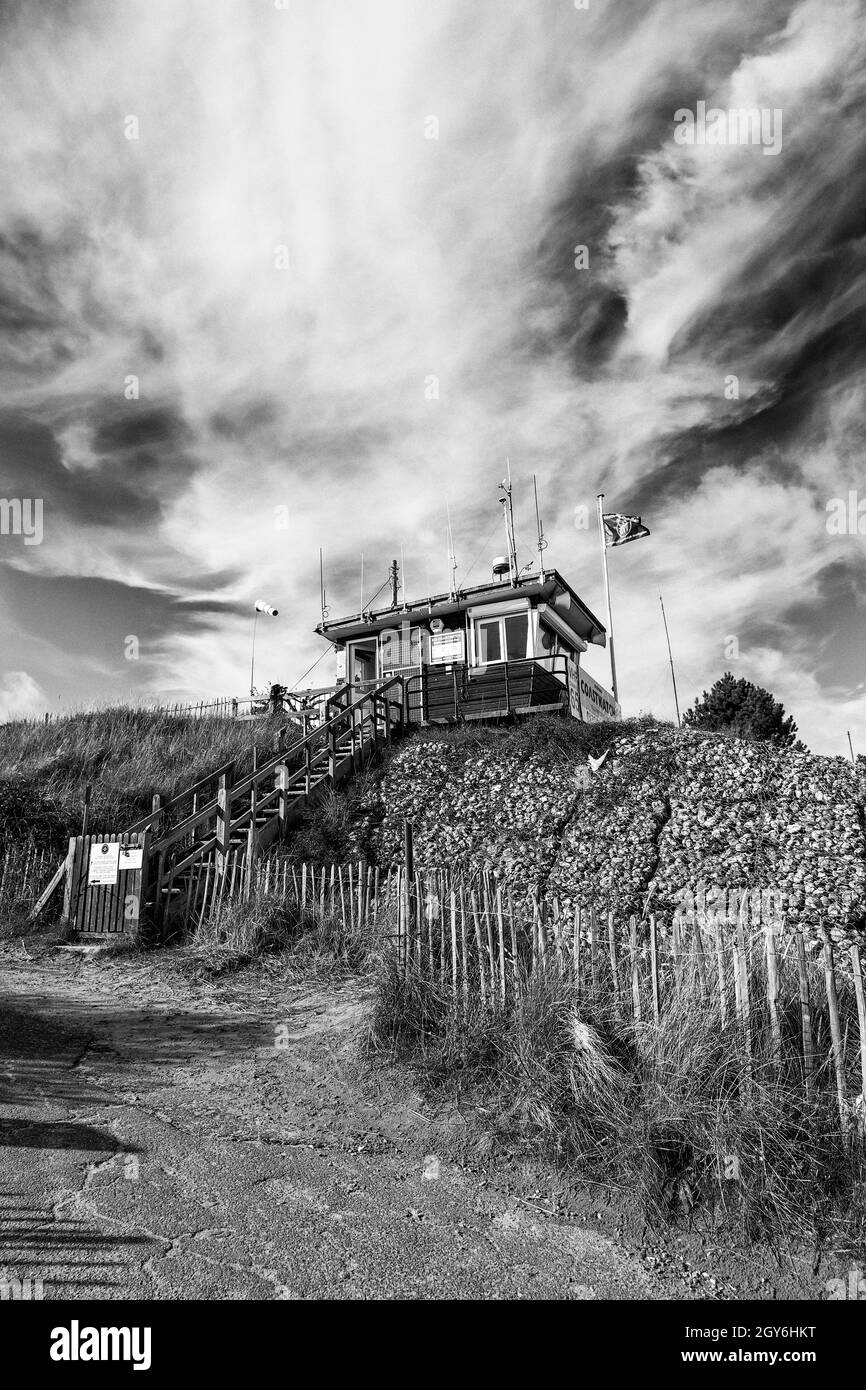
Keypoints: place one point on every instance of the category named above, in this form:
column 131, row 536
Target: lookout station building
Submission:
column 511, row 646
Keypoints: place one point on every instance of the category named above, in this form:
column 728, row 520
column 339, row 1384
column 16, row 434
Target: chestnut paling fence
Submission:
column 795, row 1004
column 797, row 1001
column 25, row 872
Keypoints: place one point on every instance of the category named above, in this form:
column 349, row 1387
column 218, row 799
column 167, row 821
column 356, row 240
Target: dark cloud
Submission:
column 141, row 468
column 102, row 613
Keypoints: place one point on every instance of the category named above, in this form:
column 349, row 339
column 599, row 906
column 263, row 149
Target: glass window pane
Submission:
column 515, row 636
column 489, row 645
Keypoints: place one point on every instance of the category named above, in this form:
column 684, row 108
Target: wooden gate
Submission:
column 110, row 909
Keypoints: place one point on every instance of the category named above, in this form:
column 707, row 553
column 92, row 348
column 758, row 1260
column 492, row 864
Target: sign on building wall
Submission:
column 447, row 646
column 587, row 700
column 573, row 688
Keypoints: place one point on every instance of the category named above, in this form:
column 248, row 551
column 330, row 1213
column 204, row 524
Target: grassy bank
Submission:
column 125, row 755
column 673, row 1112
column 269, row 929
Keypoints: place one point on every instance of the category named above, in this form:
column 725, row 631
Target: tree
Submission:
column 744, row 709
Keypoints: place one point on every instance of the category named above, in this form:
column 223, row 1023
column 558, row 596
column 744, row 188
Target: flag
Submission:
column 618, row 528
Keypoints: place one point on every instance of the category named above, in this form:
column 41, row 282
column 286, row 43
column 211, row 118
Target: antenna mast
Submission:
column 322, row 587
column 508, row 512
column 542, row 543
column 452, row 558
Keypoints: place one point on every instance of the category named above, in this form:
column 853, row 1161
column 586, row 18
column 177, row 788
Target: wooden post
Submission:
column 513, row 932
column 773, row 992
column 481, row 973
column 453, row 903
column 85, row 814
column 575, row 947
column 557, row 933
column 501, row 930
column 282, row 778
column 542, row 932
column 464, row 943
column 635, row 974
column 857, row 967
column 720, row 964
column 488, row 915
column 835, row 1027
column 805, row 1015
column 70, row 887
column 614, row 968
column 700, row 964
column 593, row 948
column 252, row 845
column 408, row 880
column 745, row 1003
column 224, row 820
column 654, row 968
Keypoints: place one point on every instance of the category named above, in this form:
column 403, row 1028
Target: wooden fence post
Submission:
column 408, row 884
column 720, row 966
column 575, row 947
column 501, row 929
column 857, row 967
column 773, row 992
column 478, row 946
column 593, row 948
column 835, row 1027
column 805, row 1014
column 453, row 902
column 614, row 967
column 654, row 967
column 635, row 974
column 224, row 820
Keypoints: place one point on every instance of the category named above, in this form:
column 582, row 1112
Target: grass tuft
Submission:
column 673, row 1112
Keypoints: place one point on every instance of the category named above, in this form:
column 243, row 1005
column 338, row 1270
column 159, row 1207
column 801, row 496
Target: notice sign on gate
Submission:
column 104, row 863
column 130, row 858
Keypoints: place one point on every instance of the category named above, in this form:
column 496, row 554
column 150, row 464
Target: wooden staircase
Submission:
column 219, row 815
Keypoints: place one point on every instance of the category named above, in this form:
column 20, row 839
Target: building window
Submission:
column 401, row 648
column 501, row 639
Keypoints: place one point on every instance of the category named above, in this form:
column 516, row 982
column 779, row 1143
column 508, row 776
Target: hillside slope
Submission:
column 124, row 754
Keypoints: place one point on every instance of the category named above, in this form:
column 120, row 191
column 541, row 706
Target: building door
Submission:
column 362, row 662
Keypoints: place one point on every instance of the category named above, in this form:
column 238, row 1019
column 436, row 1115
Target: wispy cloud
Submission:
column 283, row 261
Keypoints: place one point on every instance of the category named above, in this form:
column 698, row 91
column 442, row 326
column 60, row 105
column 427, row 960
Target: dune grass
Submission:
column 268, row 929
column 124, row 754
column 671, row 1112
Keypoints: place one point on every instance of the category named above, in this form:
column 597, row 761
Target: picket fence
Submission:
column 24, row 873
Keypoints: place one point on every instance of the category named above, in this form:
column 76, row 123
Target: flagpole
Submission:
column 671, row 660
column 599, row 499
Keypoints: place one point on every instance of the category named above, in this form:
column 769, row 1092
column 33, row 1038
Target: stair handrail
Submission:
column 253, row 779
column 370, row 696
column 149, row 820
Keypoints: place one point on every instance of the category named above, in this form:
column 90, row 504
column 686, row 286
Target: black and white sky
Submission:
column 333, row 242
